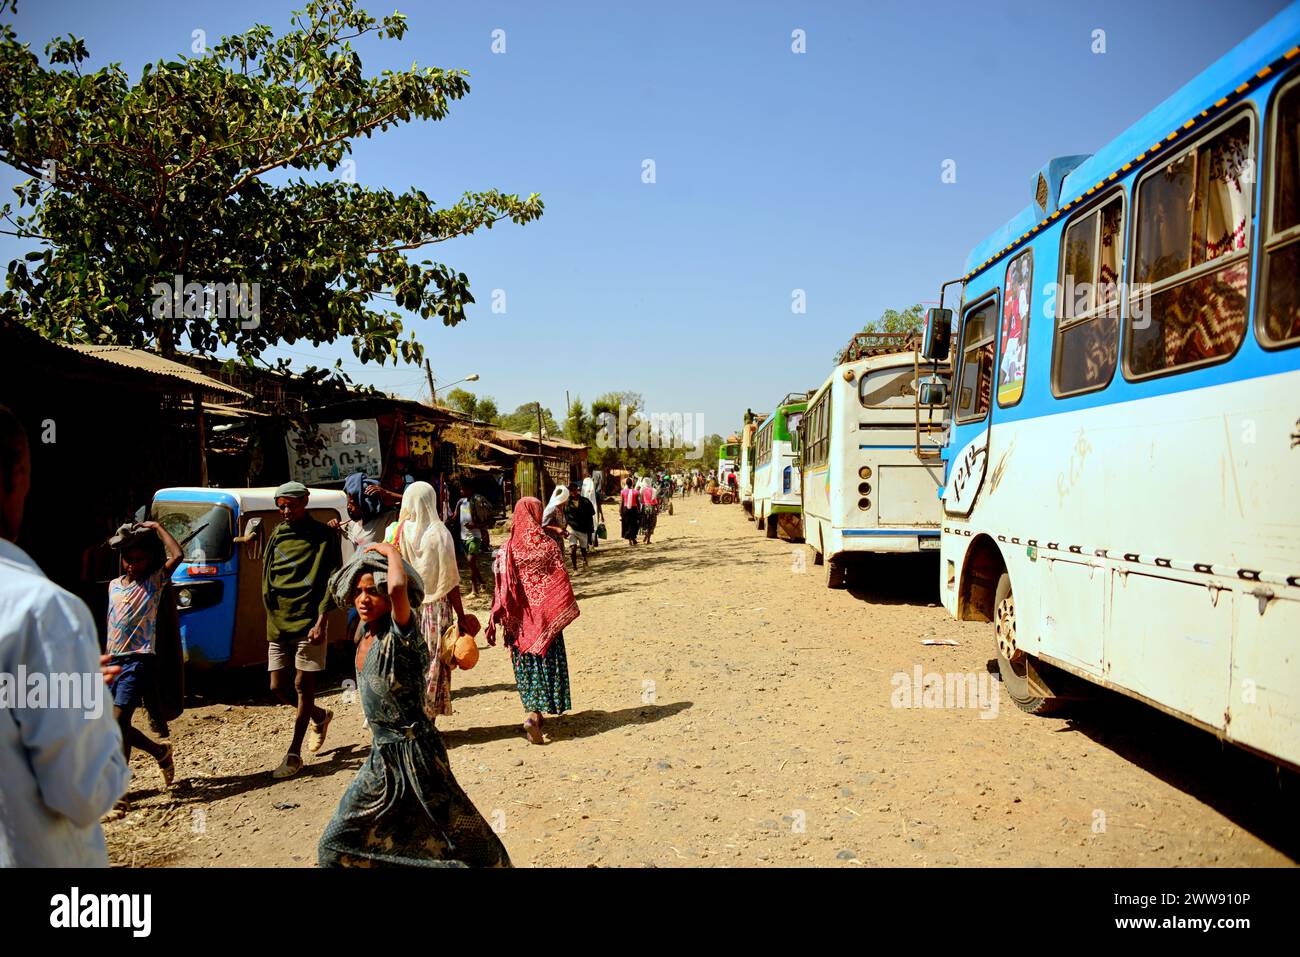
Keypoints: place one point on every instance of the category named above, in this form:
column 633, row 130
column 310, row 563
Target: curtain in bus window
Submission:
column 1164, row 222
column 1088, row 353
column 1077, row 280
column 1015, row 328
column 1222, row 194
column 1281, row 303
column 1112, row 215
column 1190, row 321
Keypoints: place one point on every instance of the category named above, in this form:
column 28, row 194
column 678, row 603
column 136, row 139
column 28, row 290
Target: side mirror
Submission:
column 934, row 393
column 938, row 332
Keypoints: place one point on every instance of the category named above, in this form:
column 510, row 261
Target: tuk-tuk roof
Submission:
column 260, row 499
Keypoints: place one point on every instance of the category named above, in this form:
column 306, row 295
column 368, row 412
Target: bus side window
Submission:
column 1279, row 322
column 976, row 385
column 1086, row 345
column 1191, row 273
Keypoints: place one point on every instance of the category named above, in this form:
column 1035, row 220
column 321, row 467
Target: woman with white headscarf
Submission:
column 553, row 516
column 589, row 493
column 424, row 541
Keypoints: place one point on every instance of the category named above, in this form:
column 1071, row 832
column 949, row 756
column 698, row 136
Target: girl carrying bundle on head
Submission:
column 404, row 808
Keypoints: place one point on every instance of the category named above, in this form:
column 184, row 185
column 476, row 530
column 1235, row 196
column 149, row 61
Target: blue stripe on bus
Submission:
column 888, row 531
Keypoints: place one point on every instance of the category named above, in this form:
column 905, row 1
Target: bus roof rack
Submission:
column 793, row 397
column 864, row 344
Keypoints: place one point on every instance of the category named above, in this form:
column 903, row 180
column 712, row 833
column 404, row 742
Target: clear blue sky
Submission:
column 775, row 171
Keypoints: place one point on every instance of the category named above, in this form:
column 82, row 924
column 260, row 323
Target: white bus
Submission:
column 1122, row 498
column 777, row 481
column 871, row 467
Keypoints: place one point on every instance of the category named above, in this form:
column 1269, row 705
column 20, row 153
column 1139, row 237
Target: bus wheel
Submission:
column 773, row 525
column 818, row 557
column 1011, row 660
column 834, row 573
column 758, row 517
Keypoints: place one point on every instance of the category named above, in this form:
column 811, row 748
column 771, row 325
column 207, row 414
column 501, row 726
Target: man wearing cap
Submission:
column 300, row 556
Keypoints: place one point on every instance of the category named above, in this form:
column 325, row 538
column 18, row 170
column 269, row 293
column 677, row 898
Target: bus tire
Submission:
column 773, row 525
column 818, row 557
column 834, row 573
column 1013, row 673
column 759, row 519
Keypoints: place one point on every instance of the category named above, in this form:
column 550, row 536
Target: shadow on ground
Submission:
column 582, row 724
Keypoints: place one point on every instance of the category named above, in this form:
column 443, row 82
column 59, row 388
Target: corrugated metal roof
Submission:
column 156, row 365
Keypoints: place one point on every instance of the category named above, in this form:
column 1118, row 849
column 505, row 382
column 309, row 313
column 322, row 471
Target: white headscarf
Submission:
column 589, row 493
column 558, row 498
column 426, row 543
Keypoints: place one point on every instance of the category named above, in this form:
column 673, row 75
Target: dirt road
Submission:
column 731, row 711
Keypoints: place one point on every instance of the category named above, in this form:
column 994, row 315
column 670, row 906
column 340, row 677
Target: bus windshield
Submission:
column 211, row 521
column 893, row 388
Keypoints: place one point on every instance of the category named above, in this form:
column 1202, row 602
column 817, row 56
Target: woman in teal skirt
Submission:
column 533, row 605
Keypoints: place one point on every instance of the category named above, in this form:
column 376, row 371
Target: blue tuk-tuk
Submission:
column 218, row 584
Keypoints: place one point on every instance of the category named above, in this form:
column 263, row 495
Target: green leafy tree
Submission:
column 578, row 425
column 464, row 401
column 710, row 458
column 134, row 183
column 892, row 322
column 486, row 410
column 524, row 419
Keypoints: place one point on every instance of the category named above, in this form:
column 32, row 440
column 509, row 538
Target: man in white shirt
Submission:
column 61, row 763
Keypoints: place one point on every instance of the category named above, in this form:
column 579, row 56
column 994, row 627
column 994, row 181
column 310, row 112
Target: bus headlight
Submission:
column 864, row 472
column 864, row 488
column 864, row 503
column 184, row 598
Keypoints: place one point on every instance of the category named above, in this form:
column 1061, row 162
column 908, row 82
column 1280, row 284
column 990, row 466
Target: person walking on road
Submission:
column 589, row 493
column 473, row 535
column 534, row 604
column 404, row 807
column 425, row 543
column 649, row 508
column 134, row 599
column 62, row 768
column 301, row 555
column 629, row 512
column 580, row 517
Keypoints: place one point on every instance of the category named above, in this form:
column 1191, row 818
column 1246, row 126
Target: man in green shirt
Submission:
column 300, row 556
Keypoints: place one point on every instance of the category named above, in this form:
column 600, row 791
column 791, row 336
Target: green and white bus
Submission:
column 777, row 481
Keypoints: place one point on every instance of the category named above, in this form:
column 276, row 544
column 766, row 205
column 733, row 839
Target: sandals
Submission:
column 167, row 767
column 316, row 733
column 290, row 766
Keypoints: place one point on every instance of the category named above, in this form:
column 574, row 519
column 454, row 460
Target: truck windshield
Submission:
column 183, row 519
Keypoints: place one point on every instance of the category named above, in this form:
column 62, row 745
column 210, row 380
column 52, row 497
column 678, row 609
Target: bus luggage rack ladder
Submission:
column 934, row 452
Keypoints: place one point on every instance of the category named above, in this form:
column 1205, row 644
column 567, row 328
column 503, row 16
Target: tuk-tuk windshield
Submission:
column 183, row 519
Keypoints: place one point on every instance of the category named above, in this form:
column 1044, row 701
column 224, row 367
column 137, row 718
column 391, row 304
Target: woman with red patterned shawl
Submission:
column 533, row 605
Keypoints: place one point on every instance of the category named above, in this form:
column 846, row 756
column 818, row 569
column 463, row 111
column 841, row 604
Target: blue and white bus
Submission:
column 1122, row 492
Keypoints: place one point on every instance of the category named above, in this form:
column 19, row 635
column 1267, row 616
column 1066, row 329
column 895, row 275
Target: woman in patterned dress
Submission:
column 533, row 605
column 404, row 808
